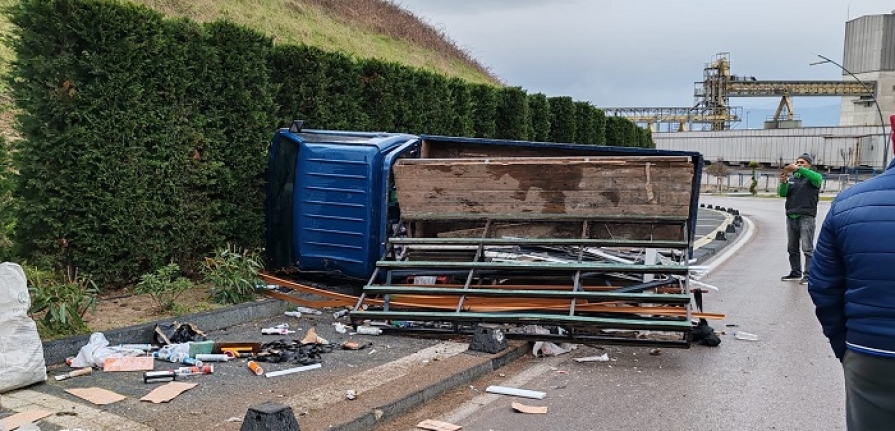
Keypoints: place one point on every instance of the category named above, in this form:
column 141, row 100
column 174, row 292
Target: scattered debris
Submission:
column 277, row 330
column 12, row 422
column 340, row 327
column 655, row 352
column 98, row 396
column 522, row 408
column 368, row 330
column 176, row 332
column 293, row 370
column 311, row 337
column 255, row 368
column 131, row 363
column 351, row 345
column 547, row 348
column 237, row 350
column 97, row 350
column 350, row 394
column 307, row 310
column 233, row 419
column 283, row 350
column 79, row 372
column 524, row 393
column 434, row 425
column 159, row 376
column 168, row 392
column 602, row 358
column 741, row 335
column 705, row 334
column 213, row 357
column 194, row 371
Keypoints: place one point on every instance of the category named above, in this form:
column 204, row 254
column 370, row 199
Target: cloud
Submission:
column 648, row 52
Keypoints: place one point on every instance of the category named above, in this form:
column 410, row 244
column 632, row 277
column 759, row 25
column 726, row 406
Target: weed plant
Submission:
column 233, row 274
column 59, row 303
column 164, row 286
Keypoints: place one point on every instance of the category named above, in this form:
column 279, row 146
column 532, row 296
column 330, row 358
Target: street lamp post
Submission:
column 882, row 123
column 747, row 119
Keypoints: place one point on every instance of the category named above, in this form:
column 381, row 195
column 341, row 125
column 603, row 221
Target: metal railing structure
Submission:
column 768, row 183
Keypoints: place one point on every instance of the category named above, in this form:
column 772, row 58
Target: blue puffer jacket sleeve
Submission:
column 828, row 281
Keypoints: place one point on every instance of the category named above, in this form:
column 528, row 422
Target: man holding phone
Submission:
column 801, row 192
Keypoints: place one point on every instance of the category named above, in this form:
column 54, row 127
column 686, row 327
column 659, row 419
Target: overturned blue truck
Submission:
column 445, row 233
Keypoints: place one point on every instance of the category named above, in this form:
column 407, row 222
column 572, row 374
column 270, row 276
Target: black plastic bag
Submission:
column 176, row 333
column 705, row 334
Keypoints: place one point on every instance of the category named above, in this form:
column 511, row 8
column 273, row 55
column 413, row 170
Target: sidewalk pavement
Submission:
column 391, row 376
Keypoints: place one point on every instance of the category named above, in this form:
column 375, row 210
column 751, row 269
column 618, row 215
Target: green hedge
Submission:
column 562, row 119
column 144, row 138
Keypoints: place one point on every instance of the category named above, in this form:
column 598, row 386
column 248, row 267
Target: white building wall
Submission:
column 831, row 147
column 855, row 111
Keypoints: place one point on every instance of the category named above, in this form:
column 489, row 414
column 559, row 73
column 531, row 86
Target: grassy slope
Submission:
column 359, row 28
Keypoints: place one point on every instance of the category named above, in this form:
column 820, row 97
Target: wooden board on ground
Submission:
column 434, row 425
column 167, row 392
column 13, row 422
column 534, row 410
column 96, row 395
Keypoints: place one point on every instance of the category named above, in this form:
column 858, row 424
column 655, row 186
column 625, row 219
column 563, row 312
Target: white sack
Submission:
column 21, row 352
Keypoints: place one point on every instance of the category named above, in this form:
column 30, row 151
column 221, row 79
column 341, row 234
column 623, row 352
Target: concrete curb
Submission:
column 396, row 408
column 55, row 351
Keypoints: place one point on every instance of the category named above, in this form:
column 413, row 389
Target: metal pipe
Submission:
column 882, row 122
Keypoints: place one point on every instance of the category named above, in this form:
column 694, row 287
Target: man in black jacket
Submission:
column 801, row 193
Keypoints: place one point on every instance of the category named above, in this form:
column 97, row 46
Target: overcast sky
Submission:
column 649, row 53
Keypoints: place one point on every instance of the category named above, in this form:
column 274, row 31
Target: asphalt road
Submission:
column 786, row 380
column 407, row 369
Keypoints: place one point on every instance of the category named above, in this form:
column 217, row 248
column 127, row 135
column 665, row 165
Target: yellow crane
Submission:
column 713, row 95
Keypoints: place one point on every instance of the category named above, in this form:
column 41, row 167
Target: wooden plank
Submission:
column 538, row 266
column 510, row 186
column 661, row 298
column 606, row 322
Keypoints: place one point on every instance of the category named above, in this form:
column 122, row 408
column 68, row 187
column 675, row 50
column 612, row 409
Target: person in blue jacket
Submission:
column 852, row 284
column 801, row 193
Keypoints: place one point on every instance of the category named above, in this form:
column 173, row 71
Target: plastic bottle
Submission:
column 307, row 310
column 740, row 335
column 276, row 331
column 255, row 368
column 194, row 371
column 368, row 330
column 212, row 357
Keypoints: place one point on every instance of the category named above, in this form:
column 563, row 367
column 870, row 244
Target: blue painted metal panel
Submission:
column 338, row 223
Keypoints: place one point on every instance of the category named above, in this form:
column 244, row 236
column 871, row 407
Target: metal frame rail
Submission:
column 492, row 291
